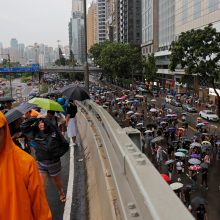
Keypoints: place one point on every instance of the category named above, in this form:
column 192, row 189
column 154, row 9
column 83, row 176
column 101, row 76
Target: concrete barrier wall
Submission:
column 149, row 195
column 100, row 202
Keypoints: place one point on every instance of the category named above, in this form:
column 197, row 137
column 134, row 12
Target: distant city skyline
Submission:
column 42, row 21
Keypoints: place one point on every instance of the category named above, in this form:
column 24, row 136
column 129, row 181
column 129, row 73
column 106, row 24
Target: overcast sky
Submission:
column 30, row 21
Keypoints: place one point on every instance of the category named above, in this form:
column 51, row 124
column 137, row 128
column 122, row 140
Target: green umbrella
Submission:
column 47, row 104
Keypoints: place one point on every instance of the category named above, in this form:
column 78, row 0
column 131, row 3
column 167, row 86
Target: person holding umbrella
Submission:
column 71, row 120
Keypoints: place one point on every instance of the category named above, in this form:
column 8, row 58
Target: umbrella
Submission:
column 148, row 131
column 204, row 165
column 179, row 154
column 163, row 122
column 206, row 143
column 153, row 110
column 205, row 123
column 169, row 161
column 195, row 156
column 153, row 100
column 18, row 112
column 182, row 129
column 199, row 125
column 172, row 129
column 130, row 113
column 176, row 185
column 6, row 99
column 195, row 144
column 217, row 142
column 198, row 200
column 194, row 161
column 47, row 104
column 157, row 139
column 182, row 150
column 195, row 167
column 139, row 124
column 75, row 92
column 166, row 177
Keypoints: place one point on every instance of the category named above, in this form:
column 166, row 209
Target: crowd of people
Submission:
column 183, row 156
column 31, row 146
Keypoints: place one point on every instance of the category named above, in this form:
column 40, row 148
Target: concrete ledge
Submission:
column 149, row 193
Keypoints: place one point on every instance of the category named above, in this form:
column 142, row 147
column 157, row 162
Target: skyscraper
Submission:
column 14, row 43
column 101, row 15
column 77, row 5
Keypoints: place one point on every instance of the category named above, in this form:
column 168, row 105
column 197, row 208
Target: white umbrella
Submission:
column 194, row 161
column 153, row 100
column 130, row 112
column 140, row 124
column 195, row 144
column 157, row 139
column 148, row 131
column 153, row 110
column 179, row 154
column 176, row 185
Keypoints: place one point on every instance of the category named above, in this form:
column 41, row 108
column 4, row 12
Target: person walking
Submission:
column 47, row 163
column 22, row 192
column 71, row 121
column 204, row 177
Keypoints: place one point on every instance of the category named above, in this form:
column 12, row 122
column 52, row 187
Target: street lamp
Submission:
column 86, row 73
column 9, row 65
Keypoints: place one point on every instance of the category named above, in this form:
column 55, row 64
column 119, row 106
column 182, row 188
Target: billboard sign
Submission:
column 32, row 68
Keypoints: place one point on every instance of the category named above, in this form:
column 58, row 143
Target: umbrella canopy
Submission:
column 148, row 131
column 198, row 156
column 199, row 125
column 182, row 129
column 194, row 161
column 6, row 99
column 157, row 139
column 172, row 129
column 179, row 154
column 169, row 161
column 166, row 177
column 153, row 110
column 217, row 142
column 75, row 93
column 176, row 185
column 47, row 104
column 204, row 165
column 17, row 112
column 198, row 200
column 182, row 150
column 206, row 143
column 195, row 144
column 195, row 167
column 130, row 113
column 205, row 122
column 153, row 100
column 163, row 122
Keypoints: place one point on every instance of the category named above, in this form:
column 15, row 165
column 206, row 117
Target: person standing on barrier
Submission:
column 22, row 192
column 71, row 121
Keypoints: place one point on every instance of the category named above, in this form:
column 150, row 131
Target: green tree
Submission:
column 150, row 68
column 198, row 52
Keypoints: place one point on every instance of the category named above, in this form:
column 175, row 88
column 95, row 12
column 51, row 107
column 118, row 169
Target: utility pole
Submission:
column 86, row 72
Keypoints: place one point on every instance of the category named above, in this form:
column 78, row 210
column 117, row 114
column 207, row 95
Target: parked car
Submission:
column 209, row 115
column 175, row 102
column 189, row 108
column 169, row 98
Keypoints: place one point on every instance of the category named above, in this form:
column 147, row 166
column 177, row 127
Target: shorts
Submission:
column 53, row 168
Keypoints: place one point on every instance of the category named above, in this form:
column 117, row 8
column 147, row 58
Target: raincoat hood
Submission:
column 8, row 143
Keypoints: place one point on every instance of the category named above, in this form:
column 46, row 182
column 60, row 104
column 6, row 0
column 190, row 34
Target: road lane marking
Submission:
column 69, row 194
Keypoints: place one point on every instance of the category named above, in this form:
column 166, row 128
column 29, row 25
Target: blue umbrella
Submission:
column 172, row 129
column 218, row 142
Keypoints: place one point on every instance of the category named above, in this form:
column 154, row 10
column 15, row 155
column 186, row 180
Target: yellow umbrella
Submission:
column 181, row 129
column 206, row 142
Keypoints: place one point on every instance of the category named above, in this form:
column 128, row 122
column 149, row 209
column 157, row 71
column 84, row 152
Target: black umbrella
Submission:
column 6, row 99
column 198, row 200
column 18, row 112
column 75, row 93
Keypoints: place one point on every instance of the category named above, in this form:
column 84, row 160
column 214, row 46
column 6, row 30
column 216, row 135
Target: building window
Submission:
column 213, row 5
column 197, row 9
column 185, row 11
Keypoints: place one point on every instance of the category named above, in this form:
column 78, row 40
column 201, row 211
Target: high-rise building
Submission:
column 77, row 36
column 150, row 26
column 77, row 5
column 21, row 55
column 129, row 21
column 101, row 19
column 14, row 43
column 91, row 25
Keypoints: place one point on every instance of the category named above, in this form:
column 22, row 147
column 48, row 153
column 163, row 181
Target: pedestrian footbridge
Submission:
column 122, row 182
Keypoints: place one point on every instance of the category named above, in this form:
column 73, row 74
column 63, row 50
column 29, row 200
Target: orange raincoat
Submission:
column 22, row 195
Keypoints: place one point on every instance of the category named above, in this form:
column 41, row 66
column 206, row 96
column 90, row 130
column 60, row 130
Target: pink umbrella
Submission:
column 205, row 123
column 124, row 97
column 195, row 167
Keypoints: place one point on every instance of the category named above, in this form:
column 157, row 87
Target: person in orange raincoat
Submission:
column 22, row 196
